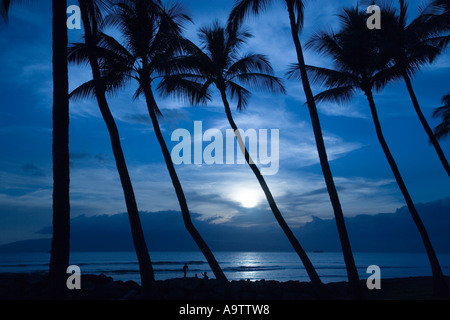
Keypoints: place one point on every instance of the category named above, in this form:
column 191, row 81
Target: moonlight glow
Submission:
column 248, row 198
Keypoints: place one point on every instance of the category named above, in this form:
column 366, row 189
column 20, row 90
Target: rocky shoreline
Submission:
column 34, row 286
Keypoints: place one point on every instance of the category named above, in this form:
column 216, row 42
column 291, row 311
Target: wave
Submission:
column 253, row 268
column 157, row 263
column 136, row 271
column 179, row 262
column 25, row 265
column 82, row 264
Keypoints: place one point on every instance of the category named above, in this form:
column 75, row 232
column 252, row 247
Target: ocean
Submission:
column 280, row 266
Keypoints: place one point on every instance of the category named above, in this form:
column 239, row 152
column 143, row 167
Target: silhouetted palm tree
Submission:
column 413, row 45
column 92, row 17
column 443, row 129
column 295, row 10
column 220, row 63
column 151, row 35
column 361, row 65
column 60, row 250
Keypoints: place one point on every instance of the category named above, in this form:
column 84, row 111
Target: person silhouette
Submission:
column 185, row 269
column 205, row 276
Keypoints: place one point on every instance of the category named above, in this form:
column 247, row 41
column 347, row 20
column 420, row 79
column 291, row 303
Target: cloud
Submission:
column 339, row 110
column 211, row 191
column 79, row 155
column 165, row 231
column 33, row 170
column 84, row 159
column 26, row 61
column 297, row 144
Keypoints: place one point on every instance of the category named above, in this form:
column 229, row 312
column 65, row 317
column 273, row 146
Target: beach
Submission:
column 34, row 286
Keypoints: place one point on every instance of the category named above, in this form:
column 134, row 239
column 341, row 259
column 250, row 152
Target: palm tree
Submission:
column 295, row 10
column 413, row 45
column 92, row 17
column 443, row 129
column 60, row 249
column 219, row 63
column 151, row 35
column 360, row 65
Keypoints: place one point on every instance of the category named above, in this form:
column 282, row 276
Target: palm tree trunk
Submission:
column 145, row 265
column 60, row 250
column 425, row 124
column 314, row 277
column 352, row 272
column 214, row 265
column 440, row 286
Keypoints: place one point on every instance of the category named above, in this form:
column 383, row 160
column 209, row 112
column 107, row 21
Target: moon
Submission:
column 248, row 198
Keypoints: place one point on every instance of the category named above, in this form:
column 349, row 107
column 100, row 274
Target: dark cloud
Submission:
column 78, row 157
column 33, row 170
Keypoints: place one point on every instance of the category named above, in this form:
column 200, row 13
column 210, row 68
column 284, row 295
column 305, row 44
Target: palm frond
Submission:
column 184, row 89
column 138, row 93
column 403, row 12
column 219, row 60
column 249, row 63
column 243, row 8
column 443, row 111
column 111, row 83
column 446, row 100
column 115, row 48
column 238, row 92
column 84, row 91
column 184, row 64
column 4, row 9
column 96, row 10
column 417, row 43
column 176, row 17
column 326, row 43
column 5, row 6
column 337, row 95
column 235, row 39
column 77, row 53
column 299, row 10
column 167, row 38
column 443, row 129
column 382, row 77
column 323, row 76
column 262, row 82
column 213, row 43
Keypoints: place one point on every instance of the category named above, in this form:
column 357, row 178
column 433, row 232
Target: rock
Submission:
column 34, row 286
column 130, row 295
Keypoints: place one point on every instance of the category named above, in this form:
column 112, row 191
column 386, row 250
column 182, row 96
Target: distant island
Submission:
column 383, row 232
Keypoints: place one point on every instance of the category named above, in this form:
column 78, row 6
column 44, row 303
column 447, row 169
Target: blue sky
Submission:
column 364, row 179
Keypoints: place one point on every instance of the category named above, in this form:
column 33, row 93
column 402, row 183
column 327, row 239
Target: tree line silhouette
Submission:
column 153, row 52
